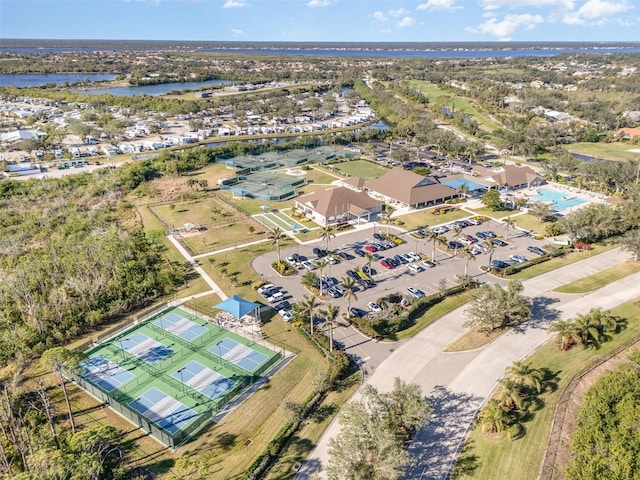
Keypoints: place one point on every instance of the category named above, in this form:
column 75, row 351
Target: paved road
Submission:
column 459, row 383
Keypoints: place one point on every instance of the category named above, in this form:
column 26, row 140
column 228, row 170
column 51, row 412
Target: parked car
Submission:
column 319, row 252
column 276, row 297
column 359, row 252
column 400, row 259
column 428, row 263
column 415, row 292
column 286, row 315
column 536, row 250
column 378, row 236
column 374, row 307
column 266, row 287
column 352, row 274
column 308, row 265
column 386, row 263
column 499, row 264
column 499, row 242
column 357, row 312
column 517, row 258
column 473, row 221
column 452, row 245
column 414, row 256
column 441, row 229
column 370, row 248
column 284, row 305
column 412, row 267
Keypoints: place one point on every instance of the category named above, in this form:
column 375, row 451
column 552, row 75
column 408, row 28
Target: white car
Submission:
column 414, row 256
column 473, row 221
column 286, row 315
column 308, row 265
column 412, row 267
column 266, row 287
column 441, row 229
column 374, row 307
column 276, row 297
column 415, row 292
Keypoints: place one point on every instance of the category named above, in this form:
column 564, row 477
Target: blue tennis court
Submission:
column 163, row 410
column 180, row 326
column 145, row 348
column 104, row 373
column 469, row 183
column 203, row 379
column 243, row 356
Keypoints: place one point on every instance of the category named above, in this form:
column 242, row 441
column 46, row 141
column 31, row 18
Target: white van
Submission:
column 275, row 297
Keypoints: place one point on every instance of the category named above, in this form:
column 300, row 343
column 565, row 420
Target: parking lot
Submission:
column 399, row 278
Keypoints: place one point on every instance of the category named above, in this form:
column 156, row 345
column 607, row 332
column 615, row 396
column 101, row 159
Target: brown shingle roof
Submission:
column 409, row 188
column 339, row 200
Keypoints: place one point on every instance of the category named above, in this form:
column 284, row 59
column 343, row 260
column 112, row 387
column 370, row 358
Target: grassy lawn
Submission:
column 600, row 279
column 457, row 103
column 609, row 151
column 530, row 223
column 485, row 457
column 558, row 262
column 425, row 218
column 361, row 168
column 319, row 177
column 474, row 338
column 216, row 238
column 497, row 215
column 199, row 212
column 434, row 313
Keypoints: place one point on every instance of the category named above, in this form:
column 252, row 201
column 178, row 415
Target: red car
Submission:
column 370, row 248
column 386, row 264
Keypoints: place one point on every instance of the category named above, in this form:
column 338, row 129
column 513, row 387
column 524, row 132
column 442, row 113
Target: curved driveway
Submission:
column 459, row 383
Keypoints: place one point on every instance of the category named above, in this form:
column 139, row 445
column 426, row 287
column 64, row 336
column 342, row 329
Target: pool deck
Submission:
column 587, row 196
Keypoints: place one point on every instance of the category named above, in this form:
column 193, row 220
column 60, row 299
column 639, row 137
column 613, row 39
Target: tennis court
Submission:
column 242, row 355
column 206, row 381
column 180, row 326
column 145, row 348
column 104, row 373
column 163, row 410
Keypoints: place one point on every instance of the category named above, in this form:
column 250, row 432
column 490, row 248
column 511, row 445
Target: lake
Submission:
column 152, row 90
column 38, row 79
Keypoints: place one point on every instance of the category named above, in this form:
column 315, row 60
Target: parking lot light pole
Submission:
column 181, row 379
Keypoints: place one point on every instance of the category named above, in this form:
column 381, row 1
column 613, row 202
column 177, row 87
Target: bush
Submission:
column 283, row 268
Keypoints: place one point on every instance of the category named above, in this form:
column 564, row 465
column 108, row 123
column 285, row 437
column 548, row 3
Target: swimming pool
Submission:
column 561, row 200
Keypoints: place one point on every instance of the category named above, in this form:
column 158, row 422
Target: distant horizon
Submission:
column 324, row 20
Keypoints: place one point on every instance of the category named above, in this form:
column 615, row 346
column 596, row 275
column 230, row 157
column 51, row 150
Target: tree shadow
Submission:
column 467, row 462
column 322, row 412
column 227, row 440
column 541, row 314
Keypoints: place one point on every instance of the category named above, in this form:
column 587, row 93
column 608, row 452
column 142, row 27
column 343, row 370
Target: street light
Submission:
column 181, row 378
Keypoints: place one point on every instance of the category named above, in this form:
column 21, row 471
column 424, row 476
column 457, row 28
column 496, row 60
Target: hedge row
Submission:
column 518, row 267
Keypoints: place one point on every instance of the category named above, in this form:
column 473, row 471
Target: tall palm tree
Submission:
column 276, row 236
column 330, row 315
column 491, row 249
column 326, row 234
column 509, row 223
column 307, row 307
column 468, row 255
column 510, row 394
column 386, row 214
column 370, row 258
column 432, row 237
column 321, row 265
column 349, row 286
column 587, row 330
column 457, row 233
column 524, row 374
column 493, row 418
column 603, row 318
column 565, row 332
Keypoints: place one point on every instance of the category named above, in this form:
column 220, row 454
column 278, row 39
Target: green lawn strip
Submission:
column 217, row 238
column 600, row 279
column 425, row 218
column 496, row 215
column 266, row 220
column 320, row 177
column 361, row 168
column 287, row 219
column 522, row 458
column 274, row 219
column 474, row 338
column 434, row 313
column 307, row 437
column 205, row 303
column 554, row 263
column 609, row 151
column 530, row 223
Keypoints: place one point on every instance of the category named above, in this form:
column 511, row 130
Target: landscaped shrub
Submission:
column 283, row 268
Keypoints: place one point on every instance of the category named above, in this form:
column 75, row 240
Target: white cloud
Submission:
column 397, row 13
column 557, row 5
column 379, row 16
column 439, row 5
column 234, row 4
column 406, row 22
column 502, row 30
column 237, row 32
column 597, row 11
column 319, row 3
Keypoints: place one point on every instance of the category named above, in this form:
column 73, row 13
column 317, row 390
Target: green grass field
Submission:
column 499, row 458
column 609, row 151
column 455, row 102
column 600, row 279
column 424, row 218
column 361, row 168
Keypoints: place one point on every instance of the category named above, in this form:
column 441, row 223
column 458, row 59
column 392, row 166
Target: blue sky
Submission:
column 323, row 20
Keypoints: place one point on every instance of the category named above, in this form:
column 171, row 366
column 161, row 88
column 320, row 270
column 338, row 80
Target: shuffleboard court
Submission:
column 180, row 326
column 206, row 381
column 243, row 356
column 145, row 348
column 104, row 373
column 163, row 410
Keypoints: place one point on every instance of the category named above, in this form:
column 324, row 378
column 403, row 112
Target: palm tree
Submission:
column 630, row 242
column 370, row 258
column 307, row 307
column 587, row 330
column 276, row 236
column 326, row 234
column 468, row 255
column 432, row 236
column 457, row 233
column 493, row 418
column 566, row 333
column 525, row 375
column 491, row 249
column 605, row 321
column 349, row 292
column 321, row 265
column 510, row 394
column 386, row 214
column 508, row 224
column 330, row 315
column 462, row 189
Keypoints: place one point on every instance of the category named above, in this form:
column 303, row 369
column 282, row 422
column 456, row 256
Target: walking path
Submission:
column 458, row 384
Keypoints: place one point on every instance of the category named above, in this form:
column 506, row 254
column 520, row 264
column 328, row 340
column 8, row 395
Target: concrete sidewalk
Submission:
column 459, row 383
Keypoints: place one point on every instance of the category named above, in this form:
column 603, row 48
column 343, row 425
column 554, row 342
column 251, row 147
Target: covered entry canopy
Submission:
column 238, row 307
